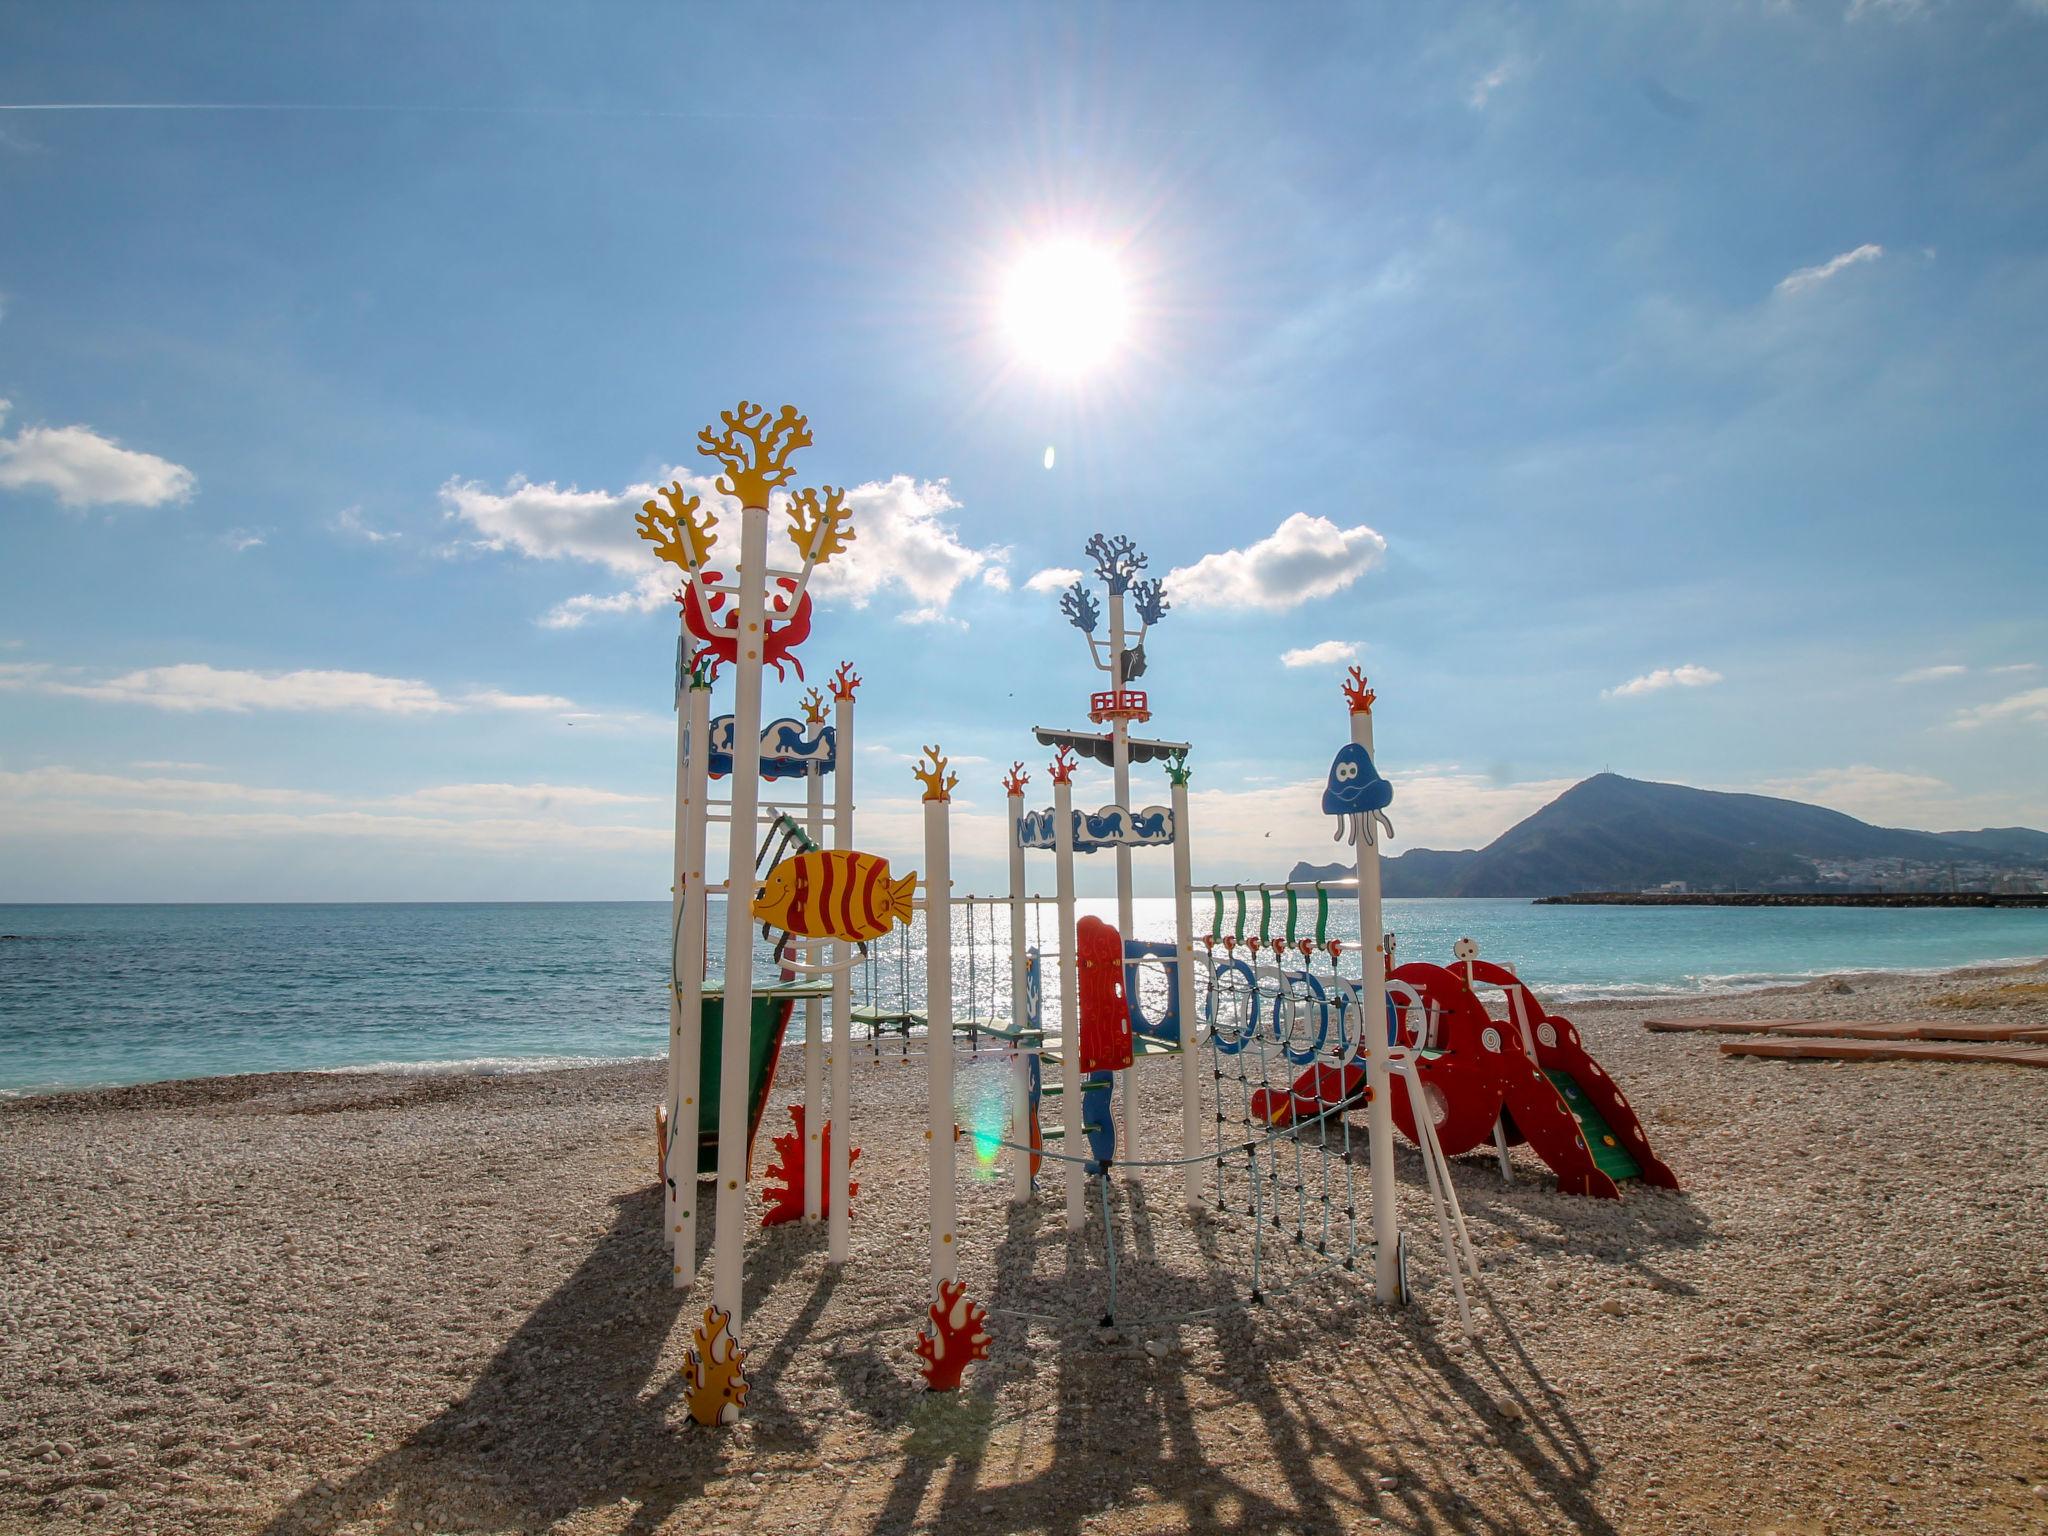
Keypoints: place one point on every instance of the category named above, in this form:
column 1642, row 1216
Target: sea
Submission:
column 100, row 995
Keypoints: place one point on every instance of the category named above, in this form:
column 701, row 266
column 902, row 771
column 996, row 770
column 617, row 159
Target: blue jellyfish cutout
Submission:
column 1357, row 796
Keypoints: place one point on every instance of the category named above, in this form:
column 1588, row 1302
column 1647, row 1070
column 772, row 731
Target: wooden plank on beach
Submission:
column 1898, row 1029
column 1880, row 1050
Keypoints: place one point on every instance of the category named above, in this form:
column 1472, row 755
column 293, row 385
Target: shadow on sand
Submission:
column 576, row 1412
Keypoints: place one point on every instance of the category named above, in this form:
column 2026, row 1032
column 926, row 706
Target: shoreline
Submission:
column 516, row 1066
column 482, row 1068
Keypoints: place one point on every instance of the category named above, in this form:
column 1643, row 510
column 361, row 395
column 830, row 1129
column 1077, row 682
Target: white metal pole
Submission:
column 1120, row 768
column 938, row 1044
column 1075, row 1143
column 1020, row 1071
column 1184, row 987
column 836, row 1213
column 814, row 1045
column 1379, row 1115
column 729, row 1239
column 672, row 1098
column 687, row 996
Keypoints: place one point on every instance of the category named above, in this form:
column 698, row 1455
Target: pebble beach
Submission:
column 375, row 1303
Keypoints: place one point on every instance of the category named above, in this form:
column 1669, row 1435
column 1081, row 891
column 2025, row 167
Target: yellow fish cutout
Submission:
column 835, row 893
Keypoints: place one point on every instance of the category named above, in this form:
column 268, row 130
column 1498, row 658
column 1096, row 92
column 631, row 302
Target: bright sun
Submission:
column 1065, row 307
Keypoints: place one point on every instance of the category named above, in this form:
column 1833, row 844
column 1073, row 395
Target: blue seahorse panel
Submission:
column 787, row 752
column 1113, row 826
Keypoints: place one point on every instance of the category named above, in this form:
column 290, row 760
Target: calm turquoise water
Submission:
column 114, row 994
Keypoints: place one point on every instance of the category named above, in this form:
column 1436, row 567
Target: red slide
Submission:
column 1471, row 1072
column 1613, row 1131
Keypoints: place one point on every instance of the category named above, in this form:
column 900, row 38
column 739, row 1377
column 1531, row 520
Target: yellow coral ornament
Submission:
column 711, row 1371
column 819, row 530
column 755, row 450
column 682, row 535
column 938, row 784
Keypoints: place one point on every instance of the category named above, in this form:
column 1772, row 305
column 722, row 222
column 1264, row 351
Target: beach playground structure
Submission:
column 1291, row 1069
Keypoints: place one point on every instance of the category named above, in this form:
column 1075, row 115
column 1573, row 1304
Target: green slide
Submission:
column 772, row 1005
column 1609, row 1155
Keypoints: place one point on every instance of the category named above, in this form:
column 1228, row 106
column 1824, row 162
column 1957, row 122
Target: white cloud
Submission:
column 1484, row 87
column 82, row 469
column 79, row 804
column 1931, row 674
column 71, row 783
column 903, row 543
column 503, row 799
column 2030, row 708
column 170, row 765
column 654, row 589
column 1303, row 559
column 996, row 577
column 1687, row 676
column 1892, row 798
column 1054, row 578
column 241, row 540
column 2016, row 666
column 1325, row 654
column 193, row 687
column 1812, row 277
column 534, row 703
column 551, row 522
column 349, row 521
column 1860, row 789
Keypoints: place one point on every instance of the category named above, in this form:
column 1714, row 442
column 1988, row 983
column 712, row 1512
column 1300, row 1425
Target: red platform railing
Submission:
column 1120, row 704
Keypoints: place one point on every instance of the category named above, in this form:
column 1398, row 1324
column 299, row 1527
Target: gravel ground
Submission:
column 313, row 1302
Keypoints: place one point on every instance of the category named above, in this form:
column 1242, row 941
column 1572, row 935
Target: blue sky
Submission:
column 1646, row 387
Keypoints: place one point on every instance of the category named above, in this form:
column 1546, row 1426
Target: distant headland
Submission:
column 1618, row 840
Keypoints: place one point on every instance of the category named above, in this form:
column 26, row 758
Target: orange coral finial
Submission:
column 711, row 1370
column 938, row 784
column 1062, row 766
column 844, row 681
column 1017, row 779
column 952, row 1337
column 813, row 704
column 1358, row 693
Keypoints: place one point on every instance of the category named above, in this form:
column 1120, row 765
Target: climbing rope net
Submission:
column 1280, row 1028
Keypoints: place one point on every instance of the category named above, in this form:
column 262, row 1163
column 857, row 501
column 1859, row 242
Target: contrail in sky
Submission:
column 453, row 110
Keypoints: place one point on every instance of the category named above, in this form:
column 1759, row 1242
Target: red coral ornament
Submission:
column 785, row 1187
column 1358, row 693
column 952, row 1339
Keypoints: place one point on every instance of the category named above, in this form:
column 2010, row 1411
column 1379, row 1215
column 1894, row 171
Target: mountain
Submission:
column 1610, row 833
column 2016, row 842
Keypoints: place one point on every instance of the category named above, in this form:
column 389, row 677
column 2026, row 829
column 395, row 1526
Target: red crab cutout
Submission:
column 786, row 1202
column 953, row 1338
column 783, row 629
